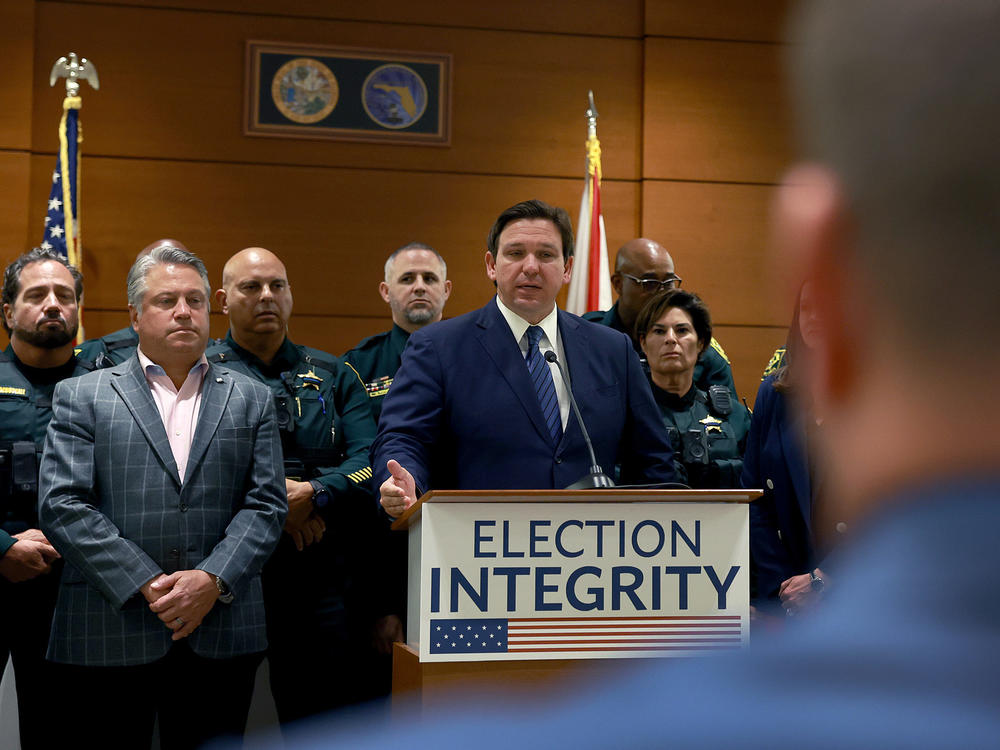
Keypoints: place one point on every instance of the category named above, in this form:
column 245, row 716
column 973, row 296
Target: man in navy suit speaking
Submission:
column 894, row 222
column 478, row 402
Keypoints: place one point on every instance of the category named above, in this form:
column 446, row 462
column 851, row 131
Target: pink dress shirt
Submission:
column 178, row 408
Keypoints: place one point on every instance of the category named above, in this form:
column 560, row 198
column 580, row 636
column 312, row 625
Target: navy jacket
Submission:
column 781, row 540
column 462, row 412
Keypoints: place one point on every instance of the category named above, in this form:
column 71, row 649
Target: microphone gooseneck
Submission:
column 596, row 479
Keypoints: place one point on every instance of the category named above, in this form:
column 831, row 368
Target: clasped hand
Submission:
column 30, row 556
column 181, row 600
column 302, row 523
column 797, row 594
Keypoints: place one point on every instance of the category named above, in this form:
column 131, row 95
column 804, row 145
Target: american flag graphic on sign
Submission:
column 566, row 635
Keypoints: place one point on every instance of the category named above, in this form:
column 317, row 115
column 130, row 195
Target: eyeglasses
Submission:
column 649, row 286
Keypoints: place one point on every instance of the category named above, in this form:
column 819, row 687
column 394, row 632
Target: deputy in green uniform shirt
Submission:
column 318, row 628
column 110, row 350
column 416, row 287
column 41, row 296
column 643, row 268
column 708, row 430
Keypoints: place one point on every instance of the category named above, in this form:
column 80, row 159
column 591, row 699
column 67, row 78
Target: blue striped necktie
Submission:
column 541, row 377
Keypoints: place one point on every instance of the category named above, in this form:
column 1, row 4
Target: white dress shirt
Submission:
column 550, row 328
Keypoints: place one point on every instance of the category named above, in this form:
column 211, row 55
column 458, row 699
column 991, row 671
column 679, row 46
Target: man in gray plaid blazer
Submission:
column 162, row 487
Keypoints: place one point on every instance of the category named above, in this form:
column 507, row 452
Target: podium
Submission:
column 526, row 586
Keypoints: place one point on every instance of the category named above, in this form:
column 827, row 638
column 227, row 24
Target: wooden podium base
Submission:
column 440, row 684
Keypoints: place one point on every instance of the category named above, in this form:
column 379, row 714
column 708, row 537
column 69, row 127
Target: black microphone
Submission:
column 596, row 479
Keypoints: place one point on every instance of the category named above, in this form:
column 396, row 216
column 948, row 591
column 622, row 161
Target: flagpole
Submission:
column 62, row 218
column 590, row 286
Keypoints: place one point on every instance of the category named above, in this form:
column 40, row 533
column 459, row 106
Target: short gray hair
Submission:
column 414, row 246
column 899, row 99
column 162, row 255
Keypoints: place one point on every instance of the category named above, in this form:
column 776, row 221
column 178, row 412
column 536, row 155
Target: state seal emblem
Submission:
column 394, row 96
column 304, row 90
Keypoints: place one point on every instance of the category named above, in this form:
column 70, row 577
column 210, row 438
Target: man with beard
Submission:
column 416, row 288
column 41, row 295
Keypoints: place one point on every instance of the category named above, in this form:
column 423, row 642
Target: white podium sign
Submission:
column 526, row 580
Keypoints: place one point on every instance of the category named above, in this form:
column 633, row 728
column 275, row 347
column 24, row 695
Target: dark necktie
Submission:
column 541, row 377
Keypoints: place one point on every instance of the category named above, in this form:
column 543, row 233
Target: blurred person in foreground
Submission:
column 707, row 430
column 893, row 218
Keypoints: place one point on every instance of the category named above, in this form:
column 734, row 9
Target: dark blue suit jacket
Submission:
column 462, row 412
column 781, row 541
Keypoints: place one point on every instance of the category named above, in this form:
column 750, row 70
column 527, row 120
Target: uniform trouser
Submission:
column 24, row 635
column 195, row 699
column 318, row 656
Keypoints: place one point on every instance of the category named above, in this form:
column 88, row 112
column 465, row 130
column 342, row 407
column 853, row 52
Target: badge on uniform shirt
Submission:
column 12, row 390
column 776, row 361
column 379, row 387
column 311, row 380
column 711, row 424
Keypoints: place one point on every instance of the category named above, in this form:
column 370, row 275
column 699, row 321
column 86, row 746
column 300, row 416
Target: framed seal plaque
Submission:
column 343, row 93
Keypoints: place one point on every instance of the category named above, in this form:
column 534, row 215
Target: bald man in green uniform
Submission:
column 643, row 268
column 316, row 584
column 416, row 288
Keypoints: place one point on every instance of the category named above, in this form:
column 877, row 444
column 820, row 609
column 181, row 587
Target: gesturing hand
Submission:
column 398, row 492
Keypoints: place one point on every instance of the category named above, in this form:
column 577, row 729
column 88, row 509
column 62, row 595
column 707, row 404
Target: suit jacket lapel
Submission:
column 574, row 346
column 495, row 336
column 217, row 387
column 131, row 385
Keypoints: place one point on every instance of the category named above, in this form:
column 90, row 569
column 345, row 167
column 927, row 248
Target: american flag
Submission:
column 62, row 228
column 567, row 635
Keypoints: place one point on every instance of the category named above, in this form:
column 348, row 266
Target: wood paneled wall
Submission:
column 716, row 139
column 693, row 132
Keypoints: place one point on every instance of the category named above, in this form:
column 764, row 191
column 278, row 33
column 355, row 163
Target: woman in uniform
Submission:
column 708, row 430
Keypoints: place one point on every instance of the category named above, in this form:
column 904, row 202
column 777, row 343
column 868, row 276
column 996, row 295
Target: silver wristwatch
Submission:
column 225, row 594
